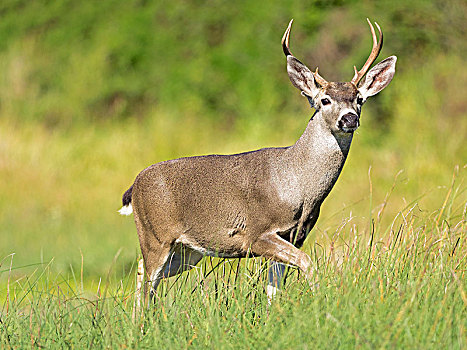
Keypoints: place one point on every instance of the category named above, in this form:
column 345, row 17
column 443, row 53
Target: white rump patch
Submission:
column 126, row 210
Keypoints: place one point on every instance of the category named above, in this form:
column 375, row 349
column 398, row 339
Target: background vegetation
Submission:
column 93, row 92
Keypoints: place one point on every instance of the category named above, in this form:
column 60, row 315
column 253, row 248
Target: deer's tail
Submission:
column 127, row 208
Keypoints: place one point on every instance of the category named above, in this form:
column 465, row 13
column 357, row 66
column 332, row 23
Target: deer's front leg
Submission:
column 273, row 247
column 275, row 275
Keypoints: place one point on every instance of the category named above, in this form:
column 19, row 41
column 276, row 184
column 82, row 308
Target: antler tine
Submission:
column 319, row 79
column 285, row 47
column 285, row 40
column 373, row 55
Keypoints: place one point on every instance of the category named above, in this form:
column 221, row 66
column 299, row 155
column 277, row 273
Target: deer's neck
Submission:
column 318, row 157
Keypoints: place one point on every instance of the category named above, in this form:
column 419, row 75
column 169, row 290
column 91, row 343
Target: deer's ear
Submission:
column 379, row 77
column 301, row 77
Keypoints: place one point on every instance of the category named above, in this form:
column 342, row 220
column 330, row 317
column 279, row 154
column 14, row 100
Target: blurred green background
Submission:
column 92, row 92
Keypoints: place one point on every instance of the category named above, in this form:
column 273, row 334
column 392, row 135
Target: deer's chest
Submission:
column 303, row 219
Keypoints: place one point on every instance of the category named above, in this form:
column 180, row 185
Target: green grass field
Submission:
column 401, row 287
column 92, row 94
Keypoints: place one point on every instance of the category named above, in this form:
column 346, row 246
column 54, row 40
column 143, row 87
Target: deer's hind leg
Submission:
column 155, row 261
column 155, row 255
column 181, row 259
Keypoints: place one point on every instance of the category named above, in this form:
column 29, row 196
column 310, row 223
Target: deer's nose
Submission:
column 349, row 121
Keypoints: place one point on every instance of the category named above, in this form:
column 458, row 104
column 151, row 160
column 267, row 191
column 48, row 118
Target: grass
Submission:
column 398, row 286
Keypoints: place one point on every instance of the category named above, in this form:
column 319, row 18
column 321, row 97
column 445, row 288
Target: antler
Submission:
column 373, row 55
column 285, row 40
column 321, row 81
column 285, row 47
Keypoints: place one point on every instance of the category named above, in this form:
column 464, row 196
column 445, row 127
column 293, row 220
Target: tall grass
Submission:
column 398, row 286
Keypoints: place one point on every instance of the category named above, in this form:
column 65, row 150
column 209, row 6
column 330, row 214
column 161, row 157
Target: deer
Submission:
column 261, row 203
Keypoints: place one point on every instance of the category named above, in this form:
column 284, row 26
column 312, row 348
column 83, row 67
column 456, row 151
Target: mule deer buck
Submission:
column 259, row 203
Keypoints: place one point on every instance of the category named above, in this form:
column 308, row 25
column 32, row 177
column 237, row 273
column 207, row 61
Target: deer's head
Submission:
column 340, row 103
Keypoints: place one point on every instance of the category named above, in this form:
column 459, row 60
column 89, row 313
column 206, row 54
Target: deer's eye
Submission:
column 325, row 101
column 359, row 100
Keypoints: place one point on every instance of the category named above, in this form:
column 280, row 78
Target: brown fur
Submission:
column 341, row 92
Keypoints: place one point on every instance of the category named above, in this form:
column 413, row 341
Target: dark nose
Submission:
column 349, row 120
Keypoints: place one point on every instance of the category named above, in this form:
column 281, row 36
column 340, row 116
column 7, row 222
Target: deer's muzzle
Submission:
column 348, row 122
